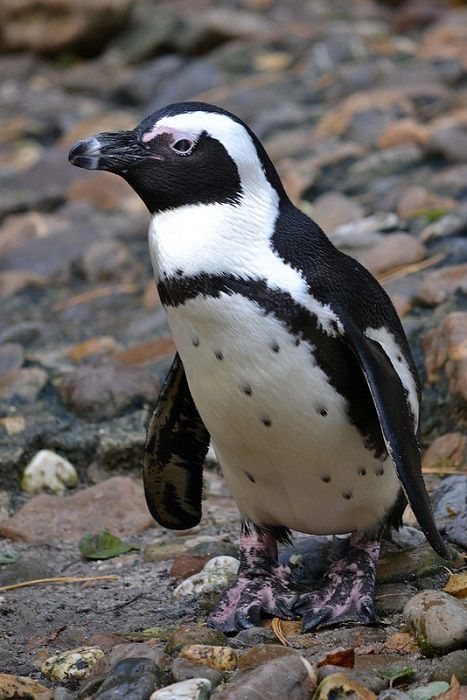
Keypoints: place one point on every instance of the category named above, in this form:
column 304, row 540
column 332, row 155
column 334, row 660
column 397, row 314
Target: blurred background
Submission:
column 362, row 106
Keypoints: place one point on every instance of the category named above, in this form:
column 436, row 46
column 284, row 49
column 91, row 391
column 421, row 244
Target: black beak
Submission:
column 113, row 151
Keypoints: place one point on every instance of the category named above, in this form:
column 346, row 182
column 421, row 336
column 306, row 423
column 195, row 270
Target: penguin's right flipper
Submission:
column 176, row 447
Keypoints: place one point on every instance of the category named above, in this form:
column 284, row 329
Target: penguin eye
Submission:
column 182, row 146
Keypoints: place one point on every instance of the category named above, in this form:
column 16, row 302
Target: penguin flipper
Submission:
column 176, row 445
column 397, row 426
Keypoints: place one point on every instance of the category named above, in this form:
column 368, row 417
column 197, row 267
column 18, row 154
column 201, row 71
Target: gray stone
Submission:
column 183, row 669
column 450, row 142
column 131, row 679
column 103, row 391
column 391, row 598
column 288, row 677
column 367, row 680
column 438, row 620
column 426, row 692
column 453, row 664
column 11, row 358
column 452, row 224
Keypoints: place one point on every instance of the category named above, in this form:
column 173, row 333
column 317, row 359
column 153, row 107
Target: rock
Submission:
column 449, row 501
column 187, row 565
column 438, row 285
column 193, row 689
column 94, row 347
column 338, row 684
column 443, row 350
column 48, row 471
column 22, row 228
column 29, row 334
column 14, row 281
column 450, row 142
column 372, row 682
column 117, row 504
column 105, row 193
column 400, row 565
column 452, row 224
column 129, row 651
column 193, row 634
column 438, row 620
column 426, row 692
column 416, row 201
column 391, row 598
column 107, row 260
column 221, row 658
column 216, row 575
column 262, row 653
column 386, row 162
column 79, row 26
column 394, row 250
column 363, row 233
column 393, row 694
column 183, row 670
column 453, row 664
column 147, row 351
column 22, row 687
column 131, row 678
column 446, row 452
column 290, row 677
column 11, row 358
column 334, row 209
column 24, row 384
column 403, row 131
column 73, row 664
column 96, row 392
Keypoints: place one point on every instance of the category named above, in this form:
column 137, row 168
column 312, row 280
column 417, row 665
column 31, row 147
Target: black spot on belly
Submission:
column 275, row 347
column 362, row 471
column 179, row 271
column 379, row 471
column 195, row 341
column 246, row 388
column 267, row 422
column 322, row 411
column 326, row 478
column 399, row 358
column 253, row 481
column 218, row 355
column 348, row 495
column 297, row 342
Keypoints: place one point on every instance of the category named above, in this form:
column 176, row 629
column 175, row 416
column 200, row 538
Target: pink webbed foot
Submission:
column 347, row 592
column 261, row 587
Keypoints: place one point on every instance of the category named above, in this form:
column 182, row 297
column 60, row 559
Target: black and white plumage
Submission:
column 291, row 357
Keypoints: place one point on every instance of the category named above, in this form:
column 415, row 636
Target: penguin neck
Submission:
column 214, row 238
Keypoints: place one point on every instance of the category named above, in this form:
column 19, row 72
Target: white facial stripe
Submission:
column 176, row 133
column 232, row 135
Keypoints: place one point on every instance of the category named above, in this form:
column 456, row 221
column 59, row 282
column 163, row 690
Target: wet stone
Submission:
column 260, row 654
column 131, row 679
column 193, row 634
column 73, row 664
column 391, row 598
column 127, row 651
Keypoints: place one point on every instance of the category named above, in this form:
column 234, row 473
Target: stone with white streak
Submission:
column 192, row 689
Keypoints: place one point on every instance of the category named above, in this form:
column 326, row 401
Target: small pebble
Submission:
column 73, row 664
column 131, row 679
column 222, row 658
column 48, row 471
column 193, row 689
column 216, row 575
column 453, row 664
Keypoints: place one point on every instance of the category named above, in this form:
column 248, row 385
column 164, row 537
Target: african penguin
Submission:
column 291, row 360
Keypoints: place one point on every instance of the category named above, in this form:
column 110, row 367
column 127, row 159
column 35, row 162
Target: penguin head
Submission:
column 187, row 153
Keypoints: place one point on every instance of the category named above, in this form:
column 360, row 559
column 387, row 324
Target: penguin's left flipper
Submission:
column 397, row 426
column 176, row 447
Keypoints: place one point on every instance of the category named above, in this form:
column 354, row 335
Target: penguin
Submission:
column 290, row 359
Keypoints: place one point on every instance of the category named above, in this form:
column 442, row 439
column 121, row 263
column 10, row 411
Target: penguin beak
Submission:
column 112, row 151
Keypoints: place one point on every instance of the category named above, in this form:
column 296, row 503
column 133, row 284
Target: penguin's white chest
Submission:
column 287, row 449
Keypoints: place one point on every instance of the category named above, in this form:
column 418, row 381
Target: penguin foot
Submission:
column 262, row 587
column 347, row 593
